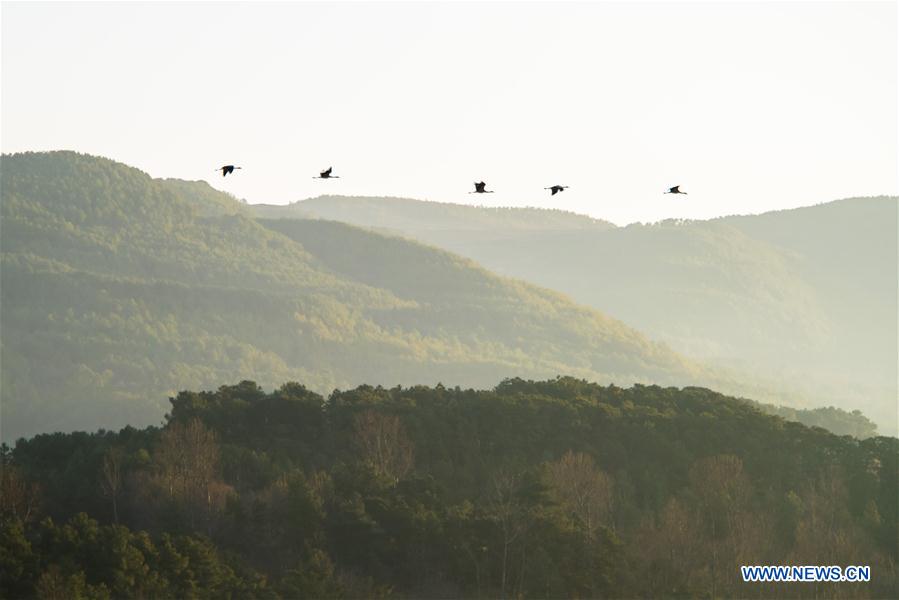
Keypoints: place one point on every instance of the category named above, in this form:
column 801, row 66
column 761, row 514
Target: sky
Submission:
column 748, row 106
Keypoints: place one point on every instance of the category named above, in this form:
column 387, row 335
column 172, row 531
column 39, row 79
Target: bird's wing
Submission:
column 328, row 172
column 555, row 190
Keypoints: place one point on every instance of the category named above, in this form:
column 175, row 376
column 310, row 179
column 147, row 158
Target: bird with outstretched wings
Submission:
column 227, row 169
column 556, row 189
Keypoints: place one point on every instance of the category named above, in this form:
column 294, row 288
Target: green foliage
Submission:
column 554, row 488
column 83, row 559
column 833, row 419
column 800, row 305
column 117, row 290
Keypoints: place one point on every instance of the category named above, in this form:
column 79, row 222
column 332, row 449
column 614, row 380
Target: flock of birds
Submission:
column 479, row 187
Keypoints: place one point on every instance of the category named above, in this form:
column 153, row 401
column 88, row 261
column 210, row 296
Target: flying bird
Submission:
column 675, row 190
column 227, row 169
column 479, row 188
column 556, row 189
column 326, row 175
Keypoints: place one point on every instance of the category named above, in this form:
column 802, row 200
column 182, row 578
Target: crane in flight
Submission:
column 479, row 188
column 227, row 169
column 326, row 174
column 675, row 190
column 556, row 189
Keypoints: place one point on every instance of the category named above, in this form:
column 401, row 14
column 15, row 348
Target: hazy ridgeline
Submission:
column 533, row 489
column 802, row 303
column 355, row 396
column 118, row 290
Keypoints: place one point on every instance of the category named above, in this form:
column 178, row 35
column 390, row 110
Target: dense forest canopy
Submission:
column 800, row 300
column 558, row 488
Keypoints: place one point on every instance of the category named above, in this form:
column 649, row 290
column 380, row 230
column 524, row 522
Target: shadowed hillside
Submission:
column 548, row 489
column 802, row 300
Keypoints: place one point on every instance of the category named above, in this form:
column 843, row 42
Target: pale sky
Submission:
column 747, row 106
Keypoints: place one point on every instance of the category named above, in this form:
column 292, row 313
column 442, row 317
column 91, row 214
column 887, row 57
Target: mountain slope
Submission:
column 118, row 289
column 404, row 214
column 803, row 299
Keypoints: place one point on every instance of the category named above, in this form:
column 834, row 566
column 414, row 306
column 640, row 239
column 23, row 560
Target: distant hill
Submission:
column 803, row 300
column 405, row 215
column 119, row 289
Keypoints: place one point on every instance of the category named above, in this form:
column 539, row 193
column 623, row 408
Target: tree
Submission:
column 582, row 490
column 111, row 478
column 19, row 498
column 384, row 445
column 188, row 461
column 723, row 496
column 509, row 507
column 18, row 560
column 314, row 578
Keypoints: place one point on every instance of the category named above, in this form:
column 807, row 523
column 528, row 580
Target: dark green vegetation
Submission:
column 119, row 289
column 534, row 489
column 802, row 303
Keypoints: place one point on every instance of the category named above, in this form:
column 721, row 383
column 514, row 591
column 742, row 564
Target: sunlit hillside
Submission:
column 119, row 289
column 803, row 300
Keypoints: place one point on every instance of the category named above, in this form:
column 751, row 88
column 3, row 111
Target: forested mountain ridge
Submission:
column 119, row 289
column 404, row 215
column 557, row 488
column 803, row 300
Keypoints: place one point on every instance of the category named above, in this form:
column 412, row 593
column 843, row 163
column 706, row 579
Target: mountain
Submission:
column 802, row 300
column 405, row 215
column 119, row 289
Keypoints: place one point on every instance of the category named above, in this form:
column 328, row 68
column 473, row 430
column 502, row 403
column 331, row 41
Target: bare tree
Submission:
column 18, row 497
column 507, row 507
column 384, row 444
column 723, row 493
column 582, row 490
column 188, row 458
column 677, row 541
column 111, row 478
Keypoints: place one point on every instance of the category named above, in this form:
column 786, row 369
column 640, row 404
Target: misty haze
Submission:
column 449, row 300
